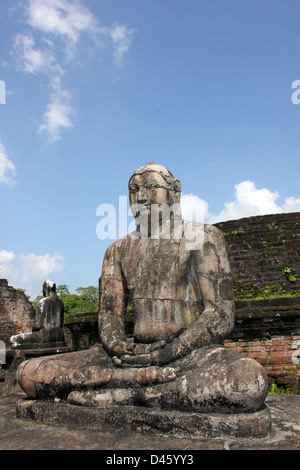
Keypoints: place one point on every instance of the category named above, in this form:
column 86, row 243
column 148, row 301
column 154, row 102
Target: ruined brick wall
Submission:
column 16, row 312
column 264, row 253
column 83, row 329
column 266, row 318
column 269, row 331
column 280, row 357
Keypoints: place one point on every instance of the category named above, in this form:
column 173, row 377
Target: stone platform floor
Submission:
column 16, row 434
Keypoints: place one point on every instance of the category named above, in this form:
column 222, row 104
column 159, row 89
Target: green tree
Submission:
column 89, row 296
column 62, row 289
column 84, row 301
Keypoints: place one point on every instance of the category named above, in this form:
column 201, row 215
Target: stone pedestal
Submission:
column 157, row 421
column 52, row 338
column 40, row 347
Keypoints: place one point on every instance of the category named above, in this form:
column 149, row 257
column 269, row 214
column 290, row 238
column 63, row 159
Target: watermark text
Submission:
column 155, row 221
column 296, row 94
column 2, row 92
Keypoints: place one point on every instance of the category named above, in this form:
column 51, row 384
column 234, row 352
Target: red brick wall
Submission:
column 280, row 357
column 16, row 312
column 260, row 249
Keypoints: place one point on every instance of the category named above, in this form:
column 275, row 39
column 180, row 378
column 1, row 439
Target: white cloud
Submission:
column 29, row 271
column 7, row 168
column 38, row 267
column 56, row 118
column 61, row 18
column 6, row 257
column 57, row 27
column 71, row 19
column 193, row 208
column 59, row 111
column 291, row 204
column 121, row 37
column 32, row 59
column 249, row 201
column 36, row 61
column 6, row 267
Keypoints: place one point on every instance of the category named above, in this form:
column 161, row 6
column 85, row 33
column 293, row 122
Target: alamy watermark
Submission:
column 296, row 94
column 156, row 221
column 2, row 92
column 2, row 353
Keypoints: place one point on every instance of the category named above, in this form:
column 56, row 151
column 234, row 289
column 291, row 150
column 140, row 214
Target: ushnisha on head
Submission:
column 153, row 184
column 49, row 287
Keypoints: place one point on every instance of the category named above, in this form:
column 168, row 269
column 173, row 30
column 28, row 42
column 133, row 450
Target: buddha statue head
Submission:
column 153, row 188
column 49, row 287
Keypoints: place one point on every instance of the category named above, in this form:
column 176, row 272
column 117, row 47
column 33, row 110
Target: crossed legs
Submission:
column 210, row 379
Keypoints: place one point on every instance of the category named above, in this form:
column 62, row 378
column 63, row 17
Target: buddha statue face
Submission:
column 152, row 185
column 49, row 287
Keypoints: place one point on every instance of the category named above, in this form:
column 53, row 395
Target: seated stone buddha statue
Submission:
column 177, row 276
column 47, row 331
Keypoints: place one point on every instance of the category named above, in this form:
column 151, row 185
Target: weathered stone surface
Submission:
column 16, row 312
column 47, row 331
column 41, row 434
column 177, row 276
column 10, row 379
column 173, row 423
column 50, row 309
column 44, row 338
column 83, row 330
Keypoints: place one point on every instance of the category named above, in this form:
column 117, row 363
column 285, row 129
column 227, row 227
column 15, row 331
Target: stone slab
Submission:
column 39, row 346
column 44, row 351
column 174, row 423
column 19, row 434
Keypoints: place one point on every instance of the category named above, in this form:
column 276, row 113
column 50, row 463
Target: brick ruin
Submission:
column 264, row 253
column 269, row 331
column 16, row 312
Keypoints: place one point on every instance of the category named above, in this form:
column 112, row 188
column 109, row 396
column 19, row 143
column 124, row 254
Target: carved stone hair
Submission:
column 155, row 167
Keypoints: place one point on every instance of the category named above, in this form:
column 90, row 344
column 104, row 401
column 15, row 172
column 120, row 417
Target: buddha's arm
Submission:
column 113, row 300
column 215, row 281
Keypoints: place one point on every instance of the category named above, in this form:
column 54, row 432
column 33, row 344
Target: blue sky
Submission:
column 97, row 88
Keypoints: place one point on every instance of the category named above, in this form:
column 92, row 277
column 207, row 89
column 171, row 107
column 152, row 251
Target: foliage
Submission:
column 270, row 292
column 23, row 292
column 244, row 290
column 84, row 301
column 36, row 300
column 288, row 272
column 62, row 289
column 275, row 390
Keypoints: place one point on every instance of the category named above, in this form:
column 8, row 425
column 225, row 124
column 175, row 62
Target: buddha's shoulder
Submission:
column 210, row 232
